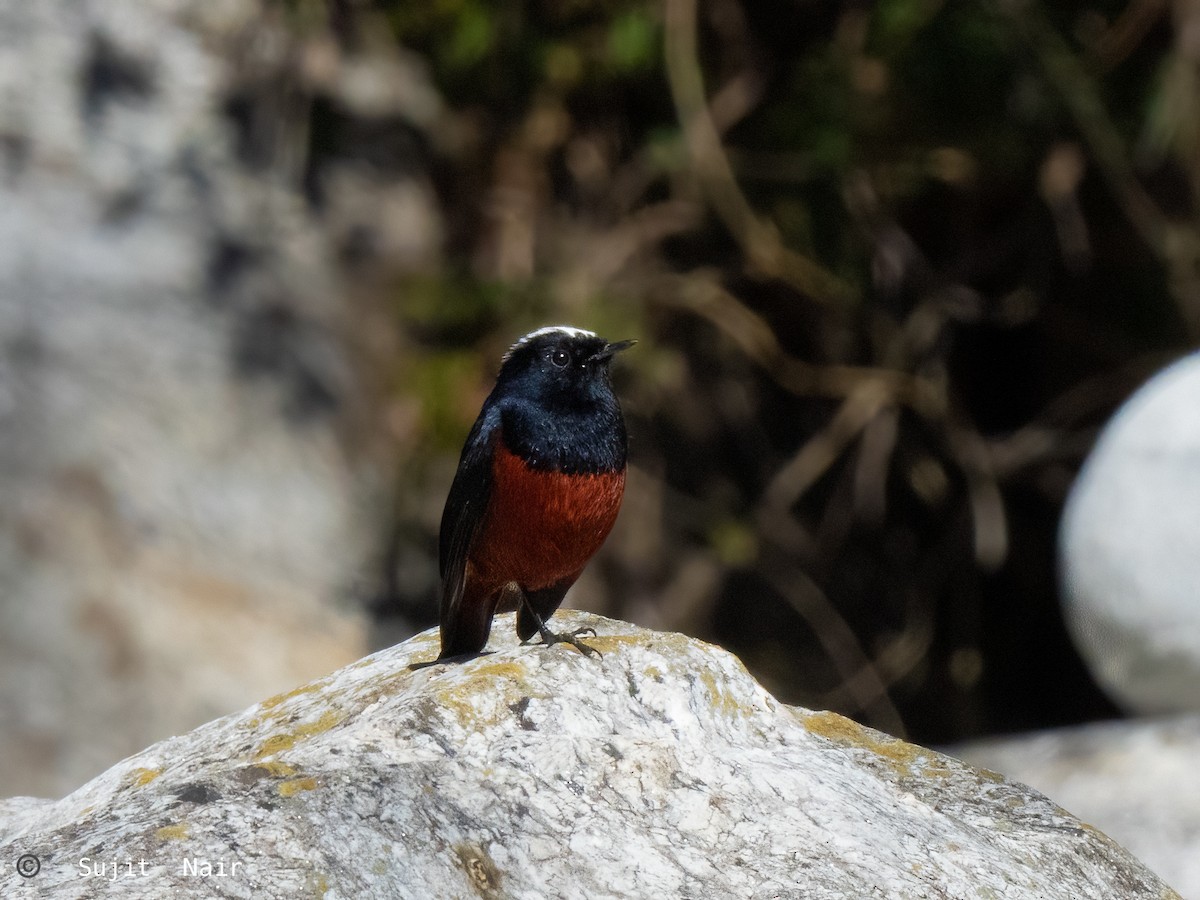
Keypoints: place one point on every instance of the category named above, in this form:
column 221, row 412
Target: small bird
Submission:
column 537, row 490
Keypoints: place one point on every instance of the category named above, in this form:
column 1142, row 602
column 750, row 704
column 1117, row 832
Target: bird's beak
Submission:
column 610, row 350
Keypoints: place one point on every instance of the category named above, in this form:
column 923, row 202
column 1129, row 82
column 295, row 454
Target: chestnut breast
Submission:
column 540, row 526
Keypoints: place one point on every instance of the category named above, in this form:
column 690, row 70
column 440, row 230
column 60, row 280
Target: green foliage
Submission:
column 471, row 37
column 483, row 49
column 896, row 23
column 451, row 303
column 734, row 542
column 439, row 382
column 633, row 41
column 903, row 151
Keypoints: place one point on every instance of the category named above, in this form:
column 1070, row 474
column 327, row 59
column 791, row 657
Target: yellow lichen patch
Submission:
column 294, row 786
column 317, row 884
column 277, row 743
column 723, row 701
column 901, row 755
column 489, row 686
column 482, row 871
column 500, row 668
column 171, row 833
column 311, row 688
column 936, row 765
column 461, row 700
column 383, row 687
column 142, row 777
column 425, row 637
column 331, row 718
column 270, row 706
column 276, row 769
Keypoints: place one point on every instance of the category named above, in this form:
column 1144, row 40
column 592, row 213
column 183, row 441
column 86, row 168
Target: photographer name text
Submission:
column 188, row 867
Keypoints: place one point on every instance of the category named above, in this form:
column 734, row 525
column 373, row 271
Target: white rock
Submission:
column 660, row 770
column 1130, row 548
column 172, row 544
column 1134, row 780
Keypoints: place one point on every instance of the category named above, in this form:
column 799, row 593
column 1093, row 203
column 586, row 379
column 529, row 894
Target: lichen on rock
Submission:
column 660, row 769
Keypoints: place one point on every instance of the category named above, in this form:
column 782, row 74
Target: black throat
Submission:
column 574, row 440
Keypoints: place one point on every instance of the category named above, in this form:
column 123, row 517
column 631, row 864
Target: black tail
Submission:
column 466, row 626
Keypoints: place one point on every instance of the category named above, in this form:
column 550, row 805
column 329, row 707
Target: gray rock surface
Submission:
column 181, row 515
column 1134, row 780
column 660, row 770
column 1128, row 544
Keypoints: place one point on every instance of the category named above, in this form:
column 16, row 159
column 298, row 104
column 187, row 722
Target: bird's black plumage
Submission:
column 554, row 409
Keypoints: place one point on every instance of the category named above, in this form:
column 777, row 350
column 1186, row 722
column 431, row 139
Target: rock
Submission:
column 189, row 483
column 1131, row 573
column 1135, row 780
column 659, row 770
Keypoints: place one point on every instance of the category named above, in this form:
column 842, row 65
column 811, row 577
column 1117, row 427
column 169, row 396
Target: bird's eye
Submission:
column 560, row 358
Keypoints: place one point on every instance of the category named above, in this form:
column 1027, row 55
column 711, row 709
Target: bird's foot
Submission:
column 550, row 638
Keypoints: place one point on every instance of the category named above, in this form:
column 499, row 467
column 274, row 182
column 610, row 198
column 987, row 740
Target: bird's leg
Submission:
column 549, row 638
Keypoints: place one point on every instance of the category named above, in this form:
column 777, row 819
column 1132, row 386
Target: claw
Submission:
column 550, row 638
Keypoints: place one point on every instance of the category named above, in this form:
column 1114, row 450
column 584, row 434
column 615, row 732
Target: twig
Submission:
column 820, row 451
column 970, row 451
column 758, row 239
column 900, row 656
column 1176, row 245
column 753, row 336
column 860, row 679
column 1120, row 39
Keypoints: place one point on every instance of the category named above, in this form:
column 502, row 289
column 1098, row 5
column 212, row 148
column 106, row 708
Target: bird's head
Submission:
column 561, row 364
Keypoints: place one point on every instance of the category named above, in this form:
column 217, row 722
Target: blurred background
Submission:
column 890, row 265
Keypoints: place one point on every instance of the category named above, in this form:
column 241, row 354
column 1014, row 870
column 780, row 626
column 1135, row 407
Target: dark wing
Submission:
column 464, row 510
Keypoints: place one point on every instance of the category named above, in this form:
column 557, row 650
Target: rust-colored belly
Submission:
column 542, row 527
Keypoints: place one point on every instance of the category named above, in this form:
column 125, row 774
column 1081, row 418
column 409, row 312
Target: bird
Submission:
column 538, row 487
